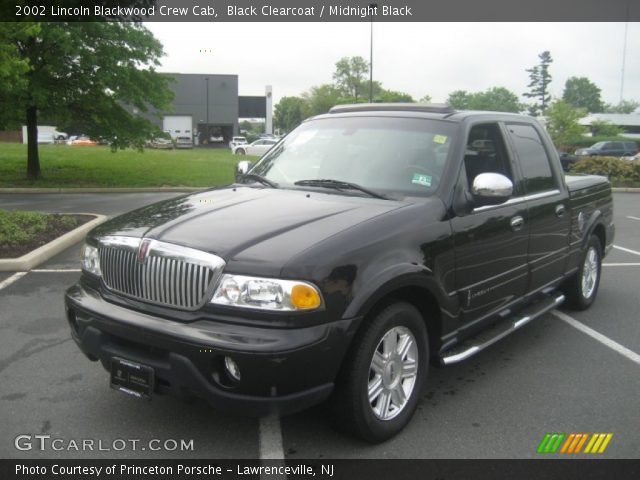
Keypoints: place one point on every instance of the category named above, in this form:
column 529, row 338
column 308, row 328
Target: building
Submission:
column 207, row 107
column 629, row 122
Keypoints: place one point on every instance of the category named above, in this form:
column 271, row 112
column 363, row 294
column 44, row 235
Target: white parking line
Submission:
column 628, row 250
column 56, row 270
column 13, row 278
column 632, row 217
column 621, row 264
column 631, row 355
column 271, row 438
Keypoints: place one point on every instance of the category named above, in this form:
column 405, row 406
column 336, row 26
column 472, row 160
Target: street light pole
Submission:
column 207, row 127
column 373, row 8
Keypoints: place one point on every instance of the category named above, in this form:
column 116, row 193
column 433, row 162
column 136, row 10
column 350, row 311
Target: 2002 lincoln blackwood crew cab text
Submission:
column 370, row 244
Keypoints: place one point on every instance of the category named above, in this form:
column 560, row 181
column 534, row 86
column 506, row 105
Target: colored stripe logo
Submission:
column 574, row 443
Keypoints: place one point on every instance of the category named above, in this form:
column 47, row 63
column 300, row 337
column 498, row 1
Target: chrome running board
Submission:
column 486, row 338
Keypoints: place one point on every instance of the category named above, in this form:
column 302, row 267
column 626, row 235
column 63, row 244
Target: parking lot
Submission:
column 566, row 372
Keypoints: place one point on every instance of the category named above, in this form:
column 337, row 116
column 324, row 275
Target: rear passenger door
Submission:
column 548, row 205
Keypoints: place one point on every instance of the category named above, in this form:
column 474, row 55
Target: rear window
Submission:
column 534, row 161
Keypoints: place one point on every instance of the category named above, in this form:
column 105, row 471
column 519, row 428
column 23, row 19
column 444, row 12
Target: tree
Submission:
column 603, row 128
column 496, row 99
column 582, row 93
column 426, row 98
column 391, row 96
column 562, row 122
column 289, row 112
column 350, row 77
column 625, row 106
column 539, row 80
column 321, row 98
column 100, row 74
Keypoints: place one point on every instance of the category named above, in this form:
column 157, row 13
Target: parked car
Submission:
column 161, row 143
column 237, row 141
column 377, row 242
column 82, row 141
column 259, row 147
column 184, row 142
column 609, row 149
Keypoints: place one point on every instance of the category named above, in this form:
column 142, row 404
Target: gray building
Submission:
column 208, row 102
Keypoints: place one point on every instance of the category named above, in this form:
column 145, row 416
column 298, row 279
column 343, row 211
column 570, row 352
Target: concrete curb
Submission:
column 625, row 190
column 45, row 252
column 104, row 190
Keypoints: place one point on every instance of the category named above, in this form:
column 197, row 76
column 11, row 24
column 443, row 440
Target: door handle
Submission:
column 560, row 210
column 517, row 223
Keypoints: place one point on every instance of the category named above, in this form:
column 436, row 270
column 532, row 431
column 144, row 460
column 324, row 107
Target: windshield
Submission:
column 392, row 155
column 598, row 145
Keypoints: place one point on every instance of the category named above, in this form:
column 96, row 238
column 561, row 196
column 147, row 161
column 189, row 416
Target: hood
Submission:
column 229, row 221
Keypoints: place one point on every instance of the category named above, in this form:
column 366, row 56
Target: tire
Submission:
column 394, row 341
column 581, row 289
column 240, row 151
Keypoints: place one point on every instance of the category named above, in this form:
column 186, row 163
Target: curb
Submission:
column 45, row 252
column 104, row 190
column 625, row 190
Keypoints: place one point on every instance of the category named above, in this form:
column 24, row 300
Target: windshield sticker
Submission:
column 420, row 179
column 442, row 139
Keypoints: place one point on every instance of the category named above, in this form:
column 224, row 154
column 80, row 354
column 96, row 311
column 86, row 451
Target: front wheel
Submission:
column 379, row 387
column 582, row 288
column 240, row 151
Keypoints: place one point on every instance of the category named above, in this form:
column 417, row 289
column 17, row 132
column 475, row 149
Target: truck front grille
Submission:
column 166, row 274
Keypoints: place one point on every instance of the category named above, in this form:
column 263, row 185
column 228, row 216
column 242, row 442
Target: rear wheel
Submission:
column 582, row 288
column 378, row 390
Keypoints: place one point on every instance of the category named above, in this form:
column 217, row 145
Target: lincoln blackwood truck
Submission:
column 369, row 244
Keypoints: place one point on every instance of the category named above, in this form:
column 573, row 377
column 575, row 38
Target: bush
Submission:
column 617, row 170
column 17, row 227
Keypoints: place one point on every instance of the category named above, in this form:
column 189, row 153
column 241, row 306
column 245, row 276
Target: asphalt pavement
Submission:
column 548, row 377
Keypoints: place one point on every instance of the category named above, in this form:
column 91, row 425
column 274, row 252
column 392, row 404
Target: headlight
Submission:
column 266, row 293
column 91, row 260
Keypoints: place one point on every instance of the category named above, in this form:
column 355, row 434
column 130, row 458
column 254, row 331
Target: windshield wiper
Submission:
column 259, row 179
column 339, row 185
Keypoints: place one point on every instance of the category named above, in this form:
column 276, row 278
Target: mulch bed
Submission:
column 56, row 228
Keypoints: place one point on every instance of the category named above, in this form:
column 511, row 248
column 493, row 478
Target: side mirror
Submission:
column 491, row 189
column 242, row 167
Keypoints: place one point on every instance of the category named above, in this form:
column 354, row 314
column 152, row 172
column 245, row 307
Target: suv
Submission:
column 369, row 244
column 609, row 149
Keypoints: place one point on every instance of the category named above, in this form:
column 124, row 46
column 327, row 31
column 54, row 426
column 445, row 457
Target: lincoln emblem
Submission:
column 143, row 250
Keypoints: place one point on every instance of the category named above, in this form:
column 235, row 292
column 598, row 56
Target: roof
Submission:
column 398, row 107
column 620, row 119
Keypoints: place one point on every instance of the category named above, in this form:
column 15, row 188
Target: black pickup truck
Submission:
column 370, row 243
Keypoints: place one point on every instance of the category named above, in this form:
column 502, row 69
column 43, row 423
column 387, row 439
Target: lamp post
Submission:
column 207, row 127
column 372, row 7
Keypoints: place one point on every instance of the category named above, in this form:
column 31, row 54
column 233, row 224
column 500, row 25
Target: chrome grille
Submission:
column 170, row 275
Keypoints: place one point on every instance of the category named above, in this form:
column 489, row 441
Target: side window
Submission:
column 486, row 152
column 534, row 161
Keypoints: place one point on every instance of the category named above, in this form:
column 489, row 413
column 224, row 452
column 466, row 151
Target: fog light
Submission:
column 232, row 368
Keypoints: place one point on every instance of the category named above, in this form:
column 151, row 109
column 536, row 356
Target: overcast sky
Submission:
column 417, row 58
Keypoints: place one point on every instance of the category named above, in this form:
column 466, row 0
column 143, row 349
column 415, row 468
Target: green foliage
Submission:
column 605, row 129
column 562, row 123
column 17, row 226
column 85, row 72
column 608, row 166
column 350, row 77
column 321, row 98
column 625, row 106
column 290, row 112
column 580, row 92
column 390, row 96
column 425, row 99
column 539, row 80
column 496, row 99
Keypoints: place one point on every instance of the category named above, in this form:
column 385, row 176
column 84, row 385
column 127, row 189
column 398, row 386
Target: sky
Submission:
column 416, row 58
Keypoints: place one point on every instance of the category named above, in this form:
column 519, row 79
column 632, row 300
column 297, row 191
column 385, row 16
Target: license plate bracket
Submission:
column 132, row 378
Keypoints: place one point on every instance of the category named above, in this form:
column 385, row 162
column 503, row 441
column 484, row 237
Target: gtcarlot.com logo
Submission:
column 29, row 442
column 575, row 443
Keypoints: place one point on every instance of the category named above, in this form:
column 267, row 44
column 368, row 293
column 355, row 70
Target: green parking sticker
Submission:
column 442, row 139
column 420, row 179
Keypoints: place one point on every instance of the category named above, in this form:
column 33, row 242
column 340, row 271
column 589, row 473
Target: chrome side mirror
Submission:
column 242, row 167
column 491, row 189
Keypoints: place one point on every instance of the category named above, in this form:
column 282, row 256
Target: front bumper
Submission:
column 283, row 370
